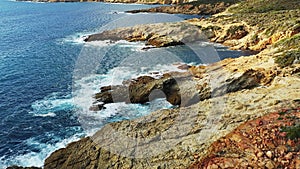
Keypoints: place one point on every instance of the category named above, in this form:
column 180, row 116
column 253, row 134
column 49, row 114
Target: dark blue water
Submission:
column 38, row 55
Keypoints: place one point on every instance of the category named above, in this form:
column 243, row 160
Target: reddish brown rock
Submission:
column 258, row 143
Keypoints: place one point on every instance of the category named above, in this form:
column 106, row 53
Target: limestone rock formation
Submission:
column 170, row 138
column 146, row 88
column 157, row 35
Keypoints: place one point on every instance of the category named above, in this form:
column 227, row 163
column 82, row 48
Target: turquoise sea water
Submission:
column 44, row 100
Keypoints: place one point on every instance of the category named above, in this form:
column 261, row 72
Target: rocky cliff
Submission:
column 184, row 134
column 244, row 88
column 237, row 30
column 210, row 131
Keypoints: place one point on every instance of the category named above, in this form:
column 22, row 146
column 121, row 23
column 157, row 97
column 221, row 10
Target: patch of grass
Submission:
column 293, row 132
column 270, row 31
column 289, row 43
column 287, row 58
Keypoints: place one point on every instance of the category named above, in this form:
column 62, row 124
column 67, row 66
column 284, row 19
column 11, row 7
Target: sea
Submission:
column 48, row 74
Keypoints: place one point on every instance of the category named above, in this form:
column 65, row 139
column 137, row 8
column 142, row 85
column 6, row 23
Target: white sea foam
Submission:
column 120, row 43
column 85, row 88
column 36, row 158
column 51, row 104
column 115, row 12
column 50, row 114
column 77, row 38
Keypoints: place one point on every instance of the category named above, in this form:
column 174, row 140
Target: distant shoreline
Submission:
column 154, row 2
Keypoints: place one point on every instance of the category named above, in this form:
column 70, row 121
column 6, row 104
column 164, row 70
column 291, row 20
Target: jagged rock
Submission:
column 178, row 88
column 97, row 107
column 139, row 90
column 116, row 144
column 263, row 89
column 157, row 35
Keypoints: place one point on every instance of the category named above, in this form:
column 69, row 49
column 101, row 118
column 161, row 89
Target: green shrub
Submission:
column 292, row 132
column 287, row 58
column 263, row 6
column 289, row 43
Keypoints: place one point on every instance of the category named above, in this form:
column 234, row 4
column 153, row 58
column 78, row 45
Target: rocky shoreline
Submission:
column 242, row 112
column 266, row 89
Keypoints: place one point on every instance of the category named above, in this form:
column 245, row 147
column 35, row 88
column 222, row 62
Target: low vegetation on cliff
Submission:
column 263, row 6
column 198, row 7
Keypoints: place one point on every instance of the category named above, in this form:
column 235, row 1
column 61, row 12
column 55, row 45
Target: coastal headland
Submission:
column 242, row 112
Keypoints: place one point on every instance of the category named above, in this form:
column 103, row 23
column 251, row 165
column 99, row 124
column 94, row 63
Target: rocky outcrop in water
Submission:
column 157, row 35
column 174, row 88
column 144, row 89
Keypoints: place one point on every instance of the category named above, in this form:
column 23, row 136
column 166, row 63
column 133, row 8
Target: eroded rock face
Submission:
column 182, row 89
column 144, row 89
column 259, row 143
column 157, row 35
column 171, row 138
column 229, row 29
column 116, row 144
